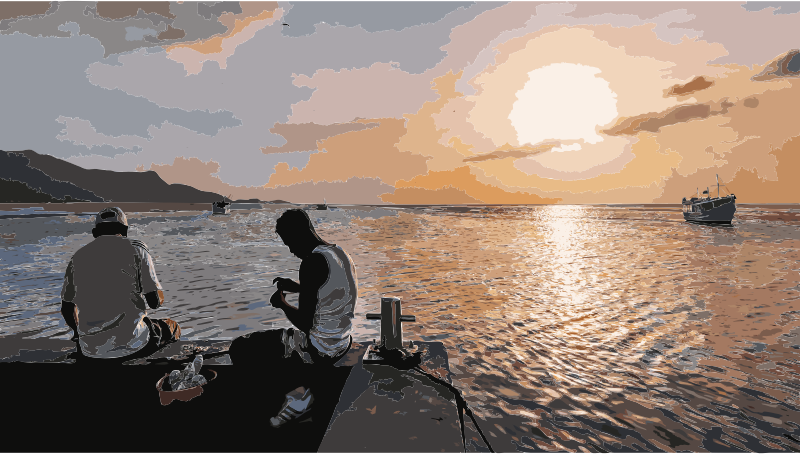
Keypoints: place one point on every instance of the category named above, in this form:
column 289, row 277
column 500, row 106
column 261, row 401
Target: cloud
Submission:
column 81, row 132
column 23, row 9
column 751, row 103
column 369, row 153
column 456, row 187
column 778, row 7
column 506, row 151
column 748, row 184
column 788, row 65
column 120, row 10
column 196, row 25
column 380, row 91
column 201, row 175
column 306, row 136
column 171, row 33
column 439, row 93
column 696, row 84
column 653, row 122
column 255, row 16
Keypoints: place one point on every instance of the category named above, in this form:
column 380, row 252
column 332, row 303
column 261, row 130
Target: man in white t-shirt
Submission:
column 322, row 321
column 108, row 287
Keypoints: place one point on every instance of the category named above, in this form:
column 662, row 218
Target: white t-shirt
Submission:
column 330, row 332
column 107, row 280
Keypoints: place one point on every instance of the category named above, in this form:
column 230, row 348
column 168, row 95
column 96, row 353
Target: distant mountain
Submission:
column 59, row 178
column 15, row 167
column 261, row 201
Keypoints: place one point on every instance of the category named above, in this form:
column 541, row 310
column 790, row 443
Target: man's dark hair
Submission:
column 110, row 228
column 296, row 223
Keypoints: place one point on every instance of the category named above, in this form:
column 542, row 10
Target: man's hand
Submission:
column 277, row 300
column 286, row 285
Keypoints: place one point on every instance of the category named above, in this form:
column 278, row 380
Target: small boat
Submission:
column 320, row 206
column 222, row 207
column 710, row 210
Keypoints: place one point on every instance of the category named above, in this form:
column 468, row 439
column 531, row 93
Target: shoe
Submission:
column 293, row 409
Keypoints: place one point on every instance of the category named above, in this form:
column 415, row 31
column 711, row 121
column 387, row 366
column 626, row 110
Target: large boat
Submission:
column 710, row 210
column 222, row 207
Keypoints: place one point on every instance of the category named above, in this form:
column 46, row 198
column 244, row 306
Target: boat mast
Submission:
column 717, row 185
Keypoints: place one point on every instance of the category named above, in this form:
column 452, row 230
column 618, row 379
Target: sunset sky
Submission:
column 414, row 102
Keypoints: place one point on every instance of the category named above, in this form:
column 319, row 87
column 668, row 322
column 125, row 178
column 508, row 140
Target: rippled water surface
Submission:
column 569, row 328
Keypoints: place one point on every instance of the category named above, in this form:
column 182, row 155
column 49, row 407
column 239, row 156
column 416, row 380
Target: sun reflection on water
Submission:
column 566, row 326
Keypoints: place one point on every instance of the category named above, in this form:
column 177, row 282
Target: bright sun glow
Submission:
column 563, row 101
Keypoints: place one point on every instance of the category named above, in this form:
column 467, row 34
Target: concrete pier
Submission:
column 382, row 409
column 372, row 408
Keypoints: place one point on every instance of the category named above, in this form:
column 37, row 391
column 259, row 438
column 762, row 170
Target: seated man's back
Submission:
column 107, row 274
column 108, row 286
column 330, row 332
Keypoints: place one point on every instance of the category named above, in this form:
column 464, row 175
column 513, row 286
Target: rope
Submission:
column 461, row 403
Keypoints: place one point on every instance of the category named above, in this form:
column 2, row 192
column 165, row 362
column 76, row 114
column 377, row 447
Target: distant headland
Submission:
column 29, row 177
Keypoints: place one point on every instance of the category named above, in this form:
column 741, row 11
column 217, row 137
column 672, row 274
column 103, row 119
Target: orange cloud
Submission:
column 697, row 84
column 652, row 122
column 423, row 135
column 420, row 188
column 251, row 12
column 507, row 151
column 750, row 188
column 200, row 175
column 369, row 153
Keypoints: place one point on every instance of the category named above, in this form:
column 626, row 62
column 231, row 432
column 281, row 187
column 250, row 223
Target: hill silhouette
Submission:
column 59, row 178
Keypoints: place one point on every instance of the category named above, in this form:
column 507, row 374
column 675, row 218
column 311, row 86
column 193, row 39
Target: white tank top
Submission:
column 330, row 332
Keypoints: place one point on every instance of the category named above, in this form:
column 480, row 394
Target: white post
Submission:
column 391, row 332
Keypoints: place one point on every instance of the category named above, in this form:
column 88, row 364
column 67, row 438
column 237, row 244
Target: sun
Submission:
column 563, row 101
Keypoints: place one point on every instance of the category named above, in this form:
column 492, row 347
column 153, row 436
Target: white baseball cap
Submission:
column 112, row 214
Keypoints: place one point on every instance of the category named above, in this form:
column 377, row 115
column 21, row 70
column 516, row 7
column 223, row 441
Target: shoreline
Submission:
column 17, row 210
column 88, row 207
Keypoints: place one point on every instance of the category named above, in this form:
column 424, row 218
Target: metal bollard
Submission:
column 391, row 322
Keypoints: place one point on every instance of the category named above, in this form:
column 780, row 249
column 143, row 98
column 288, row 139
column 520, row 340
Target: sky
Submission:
column 414, row 102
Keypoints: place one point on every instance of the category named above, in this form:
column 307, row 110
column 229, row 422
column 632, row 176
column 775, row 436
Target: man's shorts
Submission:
column 162, row 332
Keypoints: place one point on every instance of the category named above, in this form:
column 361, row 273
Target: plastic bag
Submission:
column 189, row 377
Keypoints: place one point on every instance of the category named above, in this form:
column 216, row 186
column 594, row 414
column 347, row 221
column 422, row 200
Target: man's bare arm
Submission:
column 70, row 313
column 313, row 274
column 154, row 299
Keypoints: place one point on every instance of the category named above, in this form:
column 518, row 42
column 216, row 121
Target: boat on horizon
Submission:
column 221, row 207
column 710, row 210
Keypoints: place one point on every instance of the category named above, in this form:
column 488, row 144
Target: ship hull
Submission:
column 215, row 209
column 706, row 213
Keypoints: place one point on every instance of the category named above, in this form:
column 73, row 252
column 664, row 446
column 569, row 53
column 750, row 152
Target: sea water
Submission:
column 567, row 327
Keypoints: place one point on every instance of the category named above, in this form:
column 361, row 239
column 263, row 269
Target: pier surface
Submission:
column 382, row 409
column 364, row 408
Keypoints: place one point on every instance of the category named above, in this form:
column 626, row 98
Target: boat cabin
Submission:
column 699, row 204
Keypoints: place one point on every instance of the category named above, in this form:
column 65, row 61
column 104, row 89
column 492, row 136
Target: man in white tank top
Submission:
column 322, row 321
